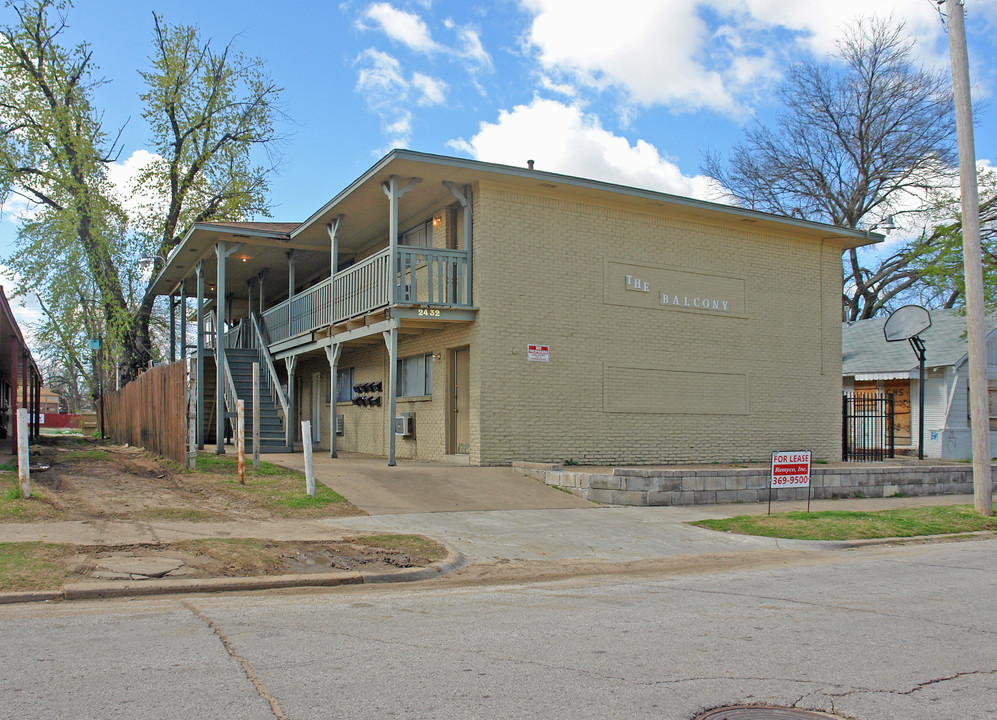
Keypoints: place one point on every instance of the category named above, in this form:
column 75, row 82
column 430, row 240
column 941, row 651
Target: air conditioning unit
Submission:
column 405, row 425
column 340, row 425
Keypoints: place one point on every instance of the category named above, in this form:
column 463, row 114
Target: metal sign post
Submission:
column 907, row 323
column 790, row 469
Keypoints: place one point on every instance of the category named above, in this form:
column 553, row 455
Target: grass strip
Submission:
column 32, row 566
column 857, row 525
column 410, row 544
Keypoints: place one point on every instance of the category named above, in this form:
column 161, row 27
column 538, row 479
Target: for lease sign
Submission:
column 791, row 469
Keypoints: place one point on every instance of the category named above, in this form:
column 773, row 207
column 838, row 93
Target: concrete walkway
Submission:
column 418, row 487
column 610, row 533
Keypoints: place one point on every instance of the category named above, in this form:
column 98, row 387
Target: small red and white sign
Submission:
column 791, row 469
column 538, row 353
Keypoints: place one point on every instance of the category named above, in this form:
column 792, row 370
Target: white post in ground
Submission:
column 256, row 416
column 306, row 445
column 240, row 438
column 23, row 473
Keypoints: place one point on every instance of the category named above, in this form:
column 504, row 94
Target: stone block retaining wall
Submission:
column 635, row 486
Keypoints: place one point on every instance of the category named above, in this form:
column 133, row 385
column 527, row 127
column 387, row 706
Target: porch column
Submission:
column 391, row 340
column 25, row 382
column 13, row 394
column 463, row 196
column 173, row 328
column 199, row 268
column 262, row 275
column 37, row 401
column 220, row 303
column 290, row 274
column 183, row 320
column 290, row 421
column 394, row 192
column 332, row 352
column 249, row 299
column 333, row 230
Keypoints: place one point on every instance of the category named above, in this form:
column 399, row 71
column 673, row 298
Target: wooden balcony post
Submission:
column 394, row 192
column 463, row 196
column 332, row 352
column 289, row 427
column 220, row 302
column 290, row 274
column 391, row 340
column 333, row 230
column 13, row 394
column 173, row 328
column 199, row 269
column 183, row 320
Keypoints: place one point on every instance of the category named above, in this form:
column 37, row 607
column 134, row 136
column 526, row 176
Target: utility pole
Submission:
column 979, row 403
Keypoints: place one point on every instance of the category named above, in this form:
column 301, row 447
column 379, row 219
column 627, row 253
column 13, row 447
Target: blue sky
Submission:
column 630, row 91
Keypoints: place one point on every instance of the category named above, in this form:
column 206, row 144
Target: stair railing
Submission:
column 229, row 389
column 276, row 391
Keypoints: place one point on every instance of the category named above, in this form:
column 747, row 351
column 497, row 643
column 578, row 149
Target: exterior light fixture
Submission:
column 886, row 224
column 437, row 220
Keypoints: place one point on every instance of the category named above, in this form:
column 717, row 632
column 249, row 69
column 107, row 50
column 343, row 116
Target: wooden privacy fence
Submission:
column 151, row 411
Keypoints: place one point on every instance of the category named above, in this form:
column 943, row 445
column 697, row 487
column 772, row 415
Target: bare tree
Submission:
column 856, row 140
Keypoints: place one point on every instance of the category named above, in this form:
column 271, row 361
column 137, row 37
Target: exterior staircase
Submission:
column 240, row 363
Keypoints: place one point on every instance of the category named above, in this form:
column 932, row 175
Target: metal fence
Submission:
column 151, row 411
column 867, row 427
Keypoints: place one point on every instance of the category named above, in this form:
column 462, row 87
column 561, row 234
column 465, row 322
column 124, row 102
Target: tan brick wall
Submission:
column 540, row 265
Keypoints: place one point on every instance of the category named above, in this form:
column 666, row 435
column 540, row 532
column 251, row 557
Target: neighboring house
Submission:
column 20, row 378
column 452, row 310
column 870, row 365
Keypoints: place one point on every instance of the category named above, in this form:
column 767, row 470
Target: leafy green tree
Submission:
column 209, row 112
column 858, row 139
column 936, row 257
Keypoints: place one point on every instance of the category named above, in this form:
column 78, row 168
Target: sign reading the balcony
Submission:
column 791, row 469
column 658, row 288
column 538, row 353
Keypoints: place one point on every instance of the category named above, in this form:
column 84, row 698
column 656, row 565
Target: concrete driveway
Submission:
column 419, row 487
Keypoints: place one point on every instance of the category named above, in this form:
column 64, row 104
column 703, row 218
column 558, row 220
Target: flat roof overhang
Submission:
column 354, row 202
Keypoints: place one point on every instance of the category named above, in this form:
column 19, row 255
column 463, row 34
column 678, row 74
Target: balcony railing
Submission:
column 422, row 276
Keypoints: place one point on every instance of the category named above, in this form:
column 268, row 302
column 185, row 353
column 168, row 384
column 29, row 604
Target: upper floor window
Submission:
column 419, row 236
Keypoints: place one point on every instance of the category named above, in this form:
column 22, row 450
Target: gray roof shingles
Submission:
column 864, row 348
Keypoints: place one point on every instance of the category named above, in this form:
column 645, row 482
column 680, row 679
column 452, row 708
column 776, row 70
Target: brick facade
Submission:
column 631, row 379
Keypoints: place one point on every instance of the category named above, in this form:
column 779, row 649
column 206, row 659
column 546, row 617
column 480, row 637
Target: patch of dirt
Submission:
column 204, row 559
column 89, row 480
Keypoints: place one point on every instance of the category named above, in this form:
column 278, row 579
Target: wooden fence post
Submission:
column 240, row 432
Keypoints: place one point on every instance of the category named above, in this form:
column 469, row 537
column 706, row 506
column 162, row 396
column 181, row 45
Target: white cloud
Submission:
column 26, row 308
column 702, row 54
column 403, row 27
column 123, row 176
column 563, row 139
column 432, row 91
column 382, row 83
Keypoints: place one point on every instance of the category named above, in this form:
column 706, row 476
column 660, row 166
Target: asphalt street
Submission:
column 885, row 633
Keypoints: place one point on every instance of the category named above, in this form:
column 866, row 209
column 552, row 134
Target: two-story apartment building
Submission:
column 452, row 310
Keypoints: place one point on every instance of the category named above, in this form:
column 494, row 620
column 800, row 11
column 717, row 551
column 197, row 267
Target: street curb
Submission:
column 30, row 596
column 453, row 561
column 976, row 534
column 177, row 586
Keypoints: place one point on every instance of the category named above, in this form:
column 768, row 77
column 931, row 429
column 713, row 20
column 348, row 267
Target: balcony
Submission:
column 422, row 276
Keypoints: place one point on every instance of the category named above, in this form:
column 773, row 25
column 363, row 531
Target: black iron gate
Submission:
column 867, row 427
